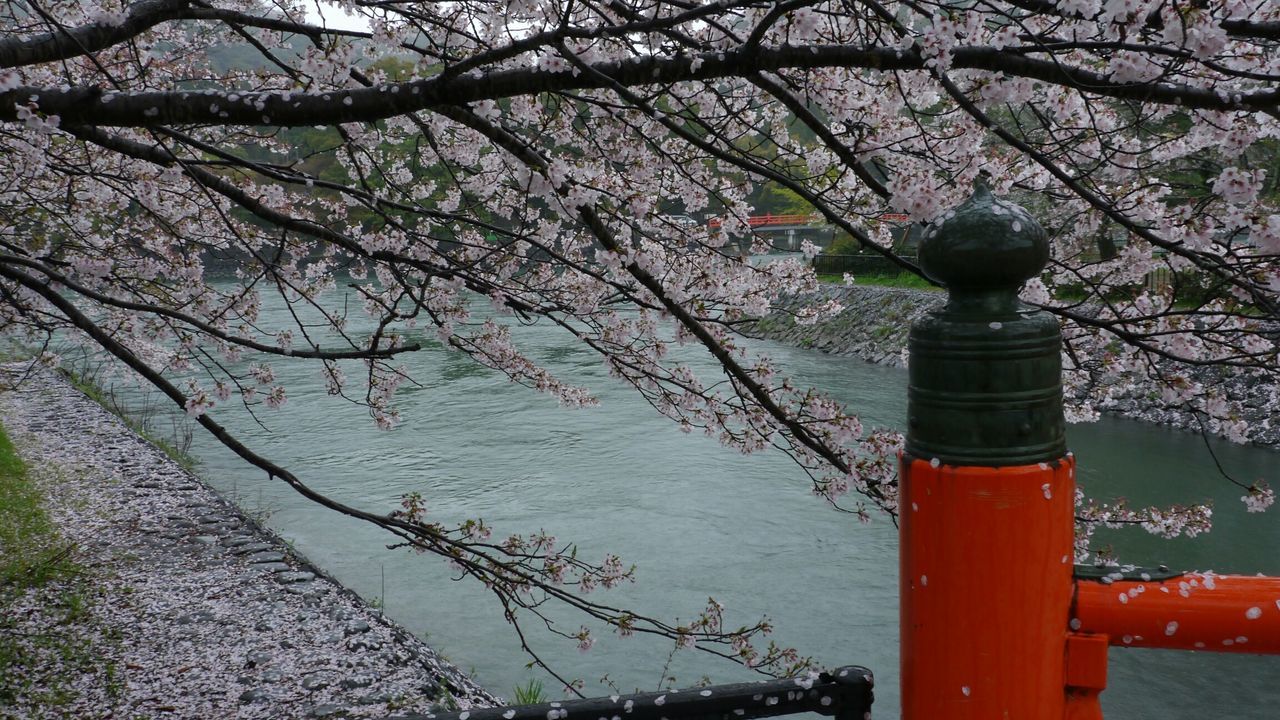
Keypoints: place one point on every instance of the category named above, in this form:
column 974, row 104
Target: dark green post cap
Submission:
column 986, row 369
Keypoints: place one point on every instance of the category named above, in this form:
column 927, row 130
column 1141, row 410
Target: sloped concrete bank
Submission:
column 198, row 611
column 873, row 325
column 876, row 320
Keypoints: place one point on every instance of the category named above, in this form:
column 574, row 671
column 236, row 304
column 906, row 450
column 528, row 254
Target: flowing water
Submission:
column 698, row 520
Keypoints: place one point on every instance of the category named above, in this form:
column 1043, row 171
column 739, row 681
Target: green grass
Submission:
column 37, row 666
column 42, row 662
column 531, row 693
column 902, row 280
column 30, row 553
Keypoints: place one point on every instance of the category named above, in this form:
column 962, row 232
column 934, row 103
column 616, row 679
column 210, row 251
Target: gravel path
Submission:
column 194, row 610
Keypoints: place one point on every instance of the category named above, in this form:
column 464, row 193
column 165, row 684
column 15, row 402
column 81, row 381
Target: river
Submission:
column 697, row 519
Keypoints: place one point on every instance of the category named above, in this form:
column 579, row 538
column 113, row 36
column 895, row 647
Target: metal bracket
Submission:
column 1108, row 574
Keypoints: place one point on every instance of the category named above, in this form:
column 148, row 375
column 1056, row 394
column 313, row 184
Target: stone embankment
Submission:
column 876, row 320
column 195, row 611
column 873, row 325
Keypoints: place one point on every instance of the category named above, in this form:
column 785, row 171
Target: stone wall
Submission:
column 873, row 326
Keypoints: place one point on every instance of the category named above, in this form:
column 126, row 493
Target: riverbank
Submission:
column 873, row 326
column 186, row 607
column 876, row 320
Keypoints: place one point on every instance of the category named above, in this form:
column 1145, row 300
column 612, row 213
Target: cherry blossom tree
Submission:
column 530, row 155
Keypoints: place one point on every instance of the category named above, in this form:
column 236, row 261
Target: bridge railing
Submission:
column 844, row 693
column 996, row 620
column 771, row 219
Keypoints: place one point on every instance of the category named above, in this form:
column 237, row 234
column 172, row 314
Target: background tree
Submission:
column 528, row 153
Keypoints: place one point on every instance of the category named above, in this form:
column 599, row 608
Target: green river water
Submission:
column 697, row 519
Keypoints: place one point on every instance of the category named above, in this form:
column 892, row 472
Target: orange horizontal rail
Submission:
column 767, row 219
column 1195, row 611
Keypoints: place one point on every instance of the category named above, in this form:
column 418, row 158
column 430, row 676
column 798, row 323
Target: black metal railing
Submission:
column 844, row 693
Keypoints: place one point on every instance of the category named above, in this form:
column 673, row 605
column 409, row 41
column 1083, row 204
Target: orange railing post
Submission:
column 996, row 621
column 985, row 589
column 987, row 486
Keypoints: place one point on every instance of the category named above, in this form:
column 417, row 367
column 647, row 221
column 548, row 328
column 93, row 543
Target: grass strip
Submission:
column 901, row 280
column 51, row 648
column 29, row 552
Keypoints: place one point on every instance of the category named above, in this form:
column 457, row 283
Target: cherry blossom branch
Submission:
column 110, row 30
column 742, row 378
column 316, row 353
column 469, row 551
column 1236, row 27
column 83, row 106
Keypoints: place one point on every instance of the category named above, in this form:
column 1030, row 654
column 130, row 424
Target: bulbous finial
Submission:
column 986, row 369
column 985, row 244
